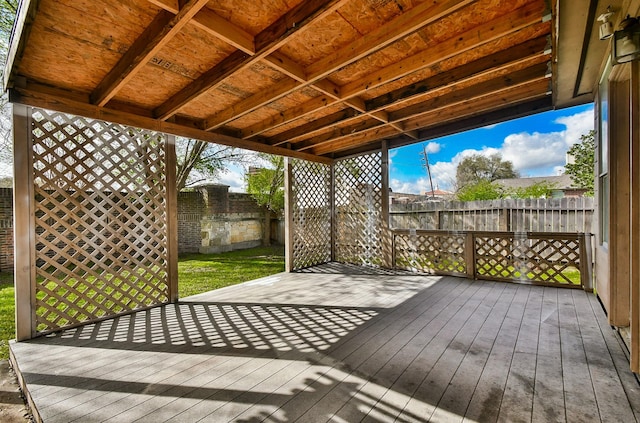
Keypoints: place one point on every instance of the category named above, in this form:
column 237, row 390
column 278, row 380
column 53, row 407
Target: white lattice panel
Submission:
column 100, row 219
column 311, row 208
column 358, row 202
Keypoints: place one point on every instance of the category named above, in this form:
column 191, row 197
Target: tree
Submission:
column 477, row 167
column 8, row 10
column 538, row 190
column 481, row 190
column 582, row 167
column 198, row 160
column 266, row 186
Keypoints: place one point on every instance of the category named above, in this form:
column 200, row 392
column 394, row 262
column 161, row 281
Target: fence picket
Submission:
column 518, row 215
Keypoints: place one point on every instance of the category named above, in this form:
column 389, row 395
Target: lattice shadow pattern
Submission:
column 430, row 253
column 311, row 209
column 100, row 219
column 547, row 260
column 358, row 203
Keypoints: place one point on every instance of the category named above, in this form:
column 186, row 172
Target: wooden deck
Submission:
column 341, row 344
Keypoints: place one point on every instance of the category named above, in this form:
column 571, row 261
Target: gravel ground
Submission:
column 12, row 407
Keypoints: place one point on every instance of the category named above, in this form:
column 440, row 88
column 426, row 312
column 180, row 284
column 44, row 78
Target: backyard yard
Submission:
column 197, row 273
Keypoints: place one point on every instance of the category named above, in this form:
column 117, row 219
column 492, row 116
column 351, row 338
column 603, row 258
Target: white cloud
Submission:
column 234, row 177
column 541, row 153
column 532, row 154
column 433, row 147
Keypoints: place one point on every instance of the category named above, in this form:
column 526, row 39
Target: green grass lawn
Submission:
column 196, row 273
column 203, row 272
column 7, row 317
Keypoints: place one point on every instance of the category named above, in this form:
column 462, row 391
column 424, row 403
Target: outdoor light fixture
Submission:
column 626, row 41
column 606, row 27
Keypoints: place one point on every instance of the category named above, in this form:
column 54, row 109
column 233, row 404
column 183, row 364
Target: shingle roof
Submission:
column 559, row 182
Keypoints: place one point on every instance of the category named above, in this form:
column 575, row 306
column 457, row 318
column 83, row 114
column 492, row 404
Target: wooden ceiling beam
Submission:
column 489, row 31
column 215, row 25
column 289, row 115
column 496, row 85
column 512, row 111
column 224, row 30
column 213, row 77
column 403, row 25
column 518, row 56
column 62, row 104
column 525, row 83
column 371, row 135
column 266, row 42
column 488, row 102
column 526, row 16
column 321, row 124
column 161, row 30
column 528, row 52
column 339, row 133
column 414, row 19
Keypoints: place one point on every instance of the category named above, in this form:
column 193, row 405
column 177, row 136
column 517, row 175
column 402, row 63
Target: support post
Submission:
column 288, row 214
column 23, row 224
column 172, row 216
column 586, row 262
column 387, row 245
column 332, row 212
column 634, row 153
column 470, row 254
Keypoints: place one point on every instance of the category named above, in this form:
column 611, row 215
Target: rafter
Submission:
column 520, row 56
column 511, row 111
column 529, row 52
column 413, row 117
column 414, row 19
column 215, row 25
column 511, row 23
column 529, row 90
column 60, row 103
column 163, row 28
column 266, row 42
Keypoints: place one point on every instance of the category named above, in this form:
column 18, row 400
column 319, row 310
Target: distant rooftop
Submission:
column 559, row 182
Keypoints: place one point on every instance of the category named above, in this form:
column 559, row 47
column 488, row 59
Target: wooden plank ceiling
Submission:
column 317, row 79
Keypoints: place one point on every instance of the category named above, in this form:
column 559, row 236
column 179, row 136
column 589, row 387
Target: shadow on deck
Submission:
column 341, row 343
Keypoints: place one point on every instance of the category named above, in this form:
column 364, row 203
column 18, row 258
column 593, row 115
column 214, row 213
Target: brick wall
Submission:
column 243, row 203
column 211, row 219
column 190, row 210
column 6, row 229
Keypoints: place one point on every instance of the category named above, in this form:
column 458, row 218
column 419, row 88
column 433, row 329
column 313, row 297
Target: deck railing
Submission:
column 543, row 258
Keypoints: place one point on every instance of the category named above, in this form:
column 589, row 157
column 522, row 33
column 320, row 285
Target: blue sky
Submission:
column 536, row 145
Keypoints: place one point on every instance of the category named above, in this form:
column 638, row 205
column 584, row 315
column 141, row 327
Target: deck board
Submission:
column 341, row 344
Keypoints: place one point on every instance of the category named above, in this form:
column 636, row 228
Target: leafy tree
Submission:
column 198, row 160
column 266, row 186
column 582, row 168
column 538, row 190
column 8, row 10
column 477, row 167
column 481, row 190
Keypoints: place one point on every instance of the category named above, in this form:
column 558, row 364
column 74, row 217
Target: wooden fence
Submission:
column 542, row 258
column 510, row 215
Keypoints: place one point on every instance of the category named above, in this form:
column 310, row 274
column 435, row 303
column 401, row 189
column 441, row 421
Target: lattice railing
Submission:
column 559, row 259
column 528, row 257
column 430, row 252
column 311, row 213
column 358, row 203
column 100, row 219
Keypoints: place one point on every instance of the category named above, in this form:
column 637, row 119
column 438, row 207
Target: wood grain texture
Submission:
column 346, row 344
